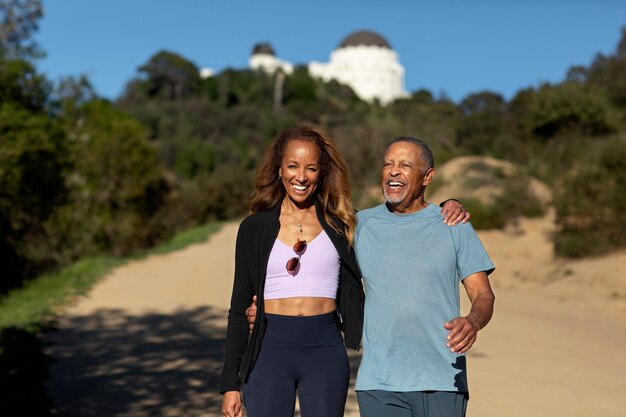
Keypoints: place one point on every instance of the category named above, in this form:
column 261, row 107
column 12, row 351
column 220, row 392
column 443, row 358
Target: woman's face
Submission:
column 300, row 170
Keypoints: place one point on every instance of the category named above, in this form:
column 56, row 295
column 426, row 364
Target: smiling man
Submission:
column 414, row 340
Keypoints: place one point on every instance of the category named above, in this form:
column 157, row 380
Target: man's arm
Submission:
column 462, row 331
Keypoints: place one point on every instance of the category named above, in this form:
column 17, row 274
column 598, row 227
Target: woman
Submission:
column 294, row 253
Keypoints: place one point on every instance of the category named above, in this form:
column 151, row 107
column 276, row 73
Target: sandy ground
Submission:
column 148, row 339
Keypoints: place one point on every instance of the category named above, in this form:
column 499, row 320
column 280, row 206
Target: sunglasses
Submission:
column 293, row 264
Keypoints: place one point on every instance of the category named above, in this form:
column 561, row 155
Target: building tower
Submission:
column 366, row 62
column 264, row 59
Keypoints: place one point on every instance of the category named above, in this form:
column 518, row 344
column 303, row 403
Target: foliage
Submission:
column 482, row 120
column 33, row 162
column 18, row 22
column 590, row 201
column 514, row 200
column 568, row 108
column 21, row 85
column 433, row 120
column 169, row 76
column 609, row 73
column 116, row 185
column 485, row 216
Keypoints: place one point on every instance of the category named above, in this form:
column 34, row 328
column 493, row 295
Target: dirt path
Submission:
column 148, row 340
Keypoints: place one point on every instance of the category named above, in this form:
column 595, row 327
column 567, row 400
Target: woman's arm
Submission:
column 237, row 332
column 454, row 212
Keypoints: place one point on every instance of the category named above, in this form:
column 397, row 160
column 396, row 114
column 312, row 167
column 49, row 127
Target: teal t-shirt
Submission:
column 412, row 265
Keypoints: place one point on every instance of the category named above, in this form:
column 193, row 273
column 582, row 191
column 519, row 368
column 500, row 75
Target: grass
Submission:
column 25, row 314
column 28, row 307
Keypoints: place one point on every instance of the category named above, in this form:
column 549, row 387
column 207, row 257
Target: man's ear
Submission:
column 429, row 176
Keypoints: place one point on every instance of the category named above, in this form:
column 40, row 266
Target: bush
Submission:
column 570, row 107
column 590, row 203
column 516, row 200
column 485, row 216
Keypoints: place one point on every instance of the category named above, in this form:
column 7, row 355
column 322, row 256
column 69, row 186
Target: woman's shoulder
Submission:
column 257, row 220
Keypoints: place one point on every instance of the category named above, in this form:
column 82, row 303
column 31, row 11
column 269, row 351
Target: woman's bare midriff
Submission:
column 300, row 306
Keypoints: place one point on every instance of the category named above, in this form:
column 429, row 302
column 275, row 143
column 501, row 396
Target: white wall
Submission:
column 269, row 63
column 371, row 71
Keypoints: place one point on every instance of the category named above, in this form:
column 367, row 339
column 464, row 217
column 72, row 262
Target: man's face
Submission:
column 403, row 177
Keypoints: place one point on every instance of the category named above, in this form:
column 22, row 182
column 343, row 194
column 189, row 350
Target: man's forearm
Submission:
column 482, row 310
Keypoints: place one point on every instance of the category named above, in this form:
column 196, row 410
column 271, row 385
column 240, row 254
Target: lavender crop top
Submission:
column 318, row 275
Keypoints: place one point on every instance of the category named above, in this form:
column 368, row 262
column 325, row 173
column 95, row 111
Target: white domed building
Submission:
column 264, row 59
column 366, row 62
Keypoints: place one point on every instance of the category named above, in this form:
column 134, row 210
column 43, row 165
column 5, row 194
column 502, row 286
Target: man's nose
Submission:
column 394, row 170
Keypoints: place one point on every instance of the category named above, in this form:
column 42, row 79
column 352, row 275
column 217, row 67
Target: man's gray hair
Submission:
column 427, row 154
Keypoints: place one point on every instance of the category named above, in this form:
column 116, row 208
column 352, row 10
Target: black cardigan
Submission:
column 256, row 236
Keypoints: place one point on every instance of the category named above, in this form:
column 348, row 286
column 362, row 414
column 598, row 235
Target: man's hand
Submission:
column 251, row 313
column 231, row 404
column 454, row 212
column 462, row 332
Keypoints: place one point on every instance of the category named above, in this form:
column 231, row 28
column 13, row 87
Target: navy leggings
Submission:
column 303, row 354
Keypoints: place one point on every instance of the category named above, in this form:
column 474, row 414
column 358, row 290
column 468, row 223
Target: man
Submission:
column 413, row 339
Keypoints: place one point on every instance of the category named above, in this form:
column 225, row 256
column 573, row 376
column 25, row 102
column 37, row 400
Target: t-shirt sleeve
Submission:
column 471, row 254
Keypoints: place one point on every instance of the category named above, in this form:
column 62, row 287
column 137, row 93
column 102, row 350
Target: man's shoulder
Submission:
column 364, row 215
column 462, row 229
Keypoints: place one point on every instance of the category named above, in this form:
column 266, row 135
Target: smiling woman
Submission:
column 299, row 172
column 294, row 253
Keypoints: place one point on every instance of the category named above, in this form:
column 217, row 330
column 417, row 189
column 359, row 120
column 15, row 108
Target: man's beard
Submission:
column 394, row 200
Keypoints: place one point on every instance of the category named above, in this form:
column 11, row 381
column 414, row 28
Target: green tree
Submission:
column 590, row 203
column 482, row 121
column 432, row 119
column 22, row 85
column 609, row 73
column 18, row 22
column 570, row 107
column 117, row 184
column 33, row 163
column 169, row 76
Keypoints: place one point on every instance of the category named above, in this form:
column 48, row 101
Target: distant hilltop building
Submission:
column 364, row 60
column 264, row 59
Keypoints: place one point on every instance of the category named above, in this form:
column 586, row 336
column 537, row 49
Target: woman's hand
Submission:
column 454, row 212
column 231, row 404
column 251, row 313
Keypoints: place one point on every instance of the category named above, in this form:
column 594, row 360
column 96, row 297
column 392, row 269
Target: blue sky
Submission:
column 456, row 47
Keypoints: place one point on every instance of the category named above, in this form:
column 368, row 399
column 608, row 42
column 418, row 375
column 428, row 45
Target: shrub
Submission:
column 514, row 201
column 590, row 202
column 485, row 216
